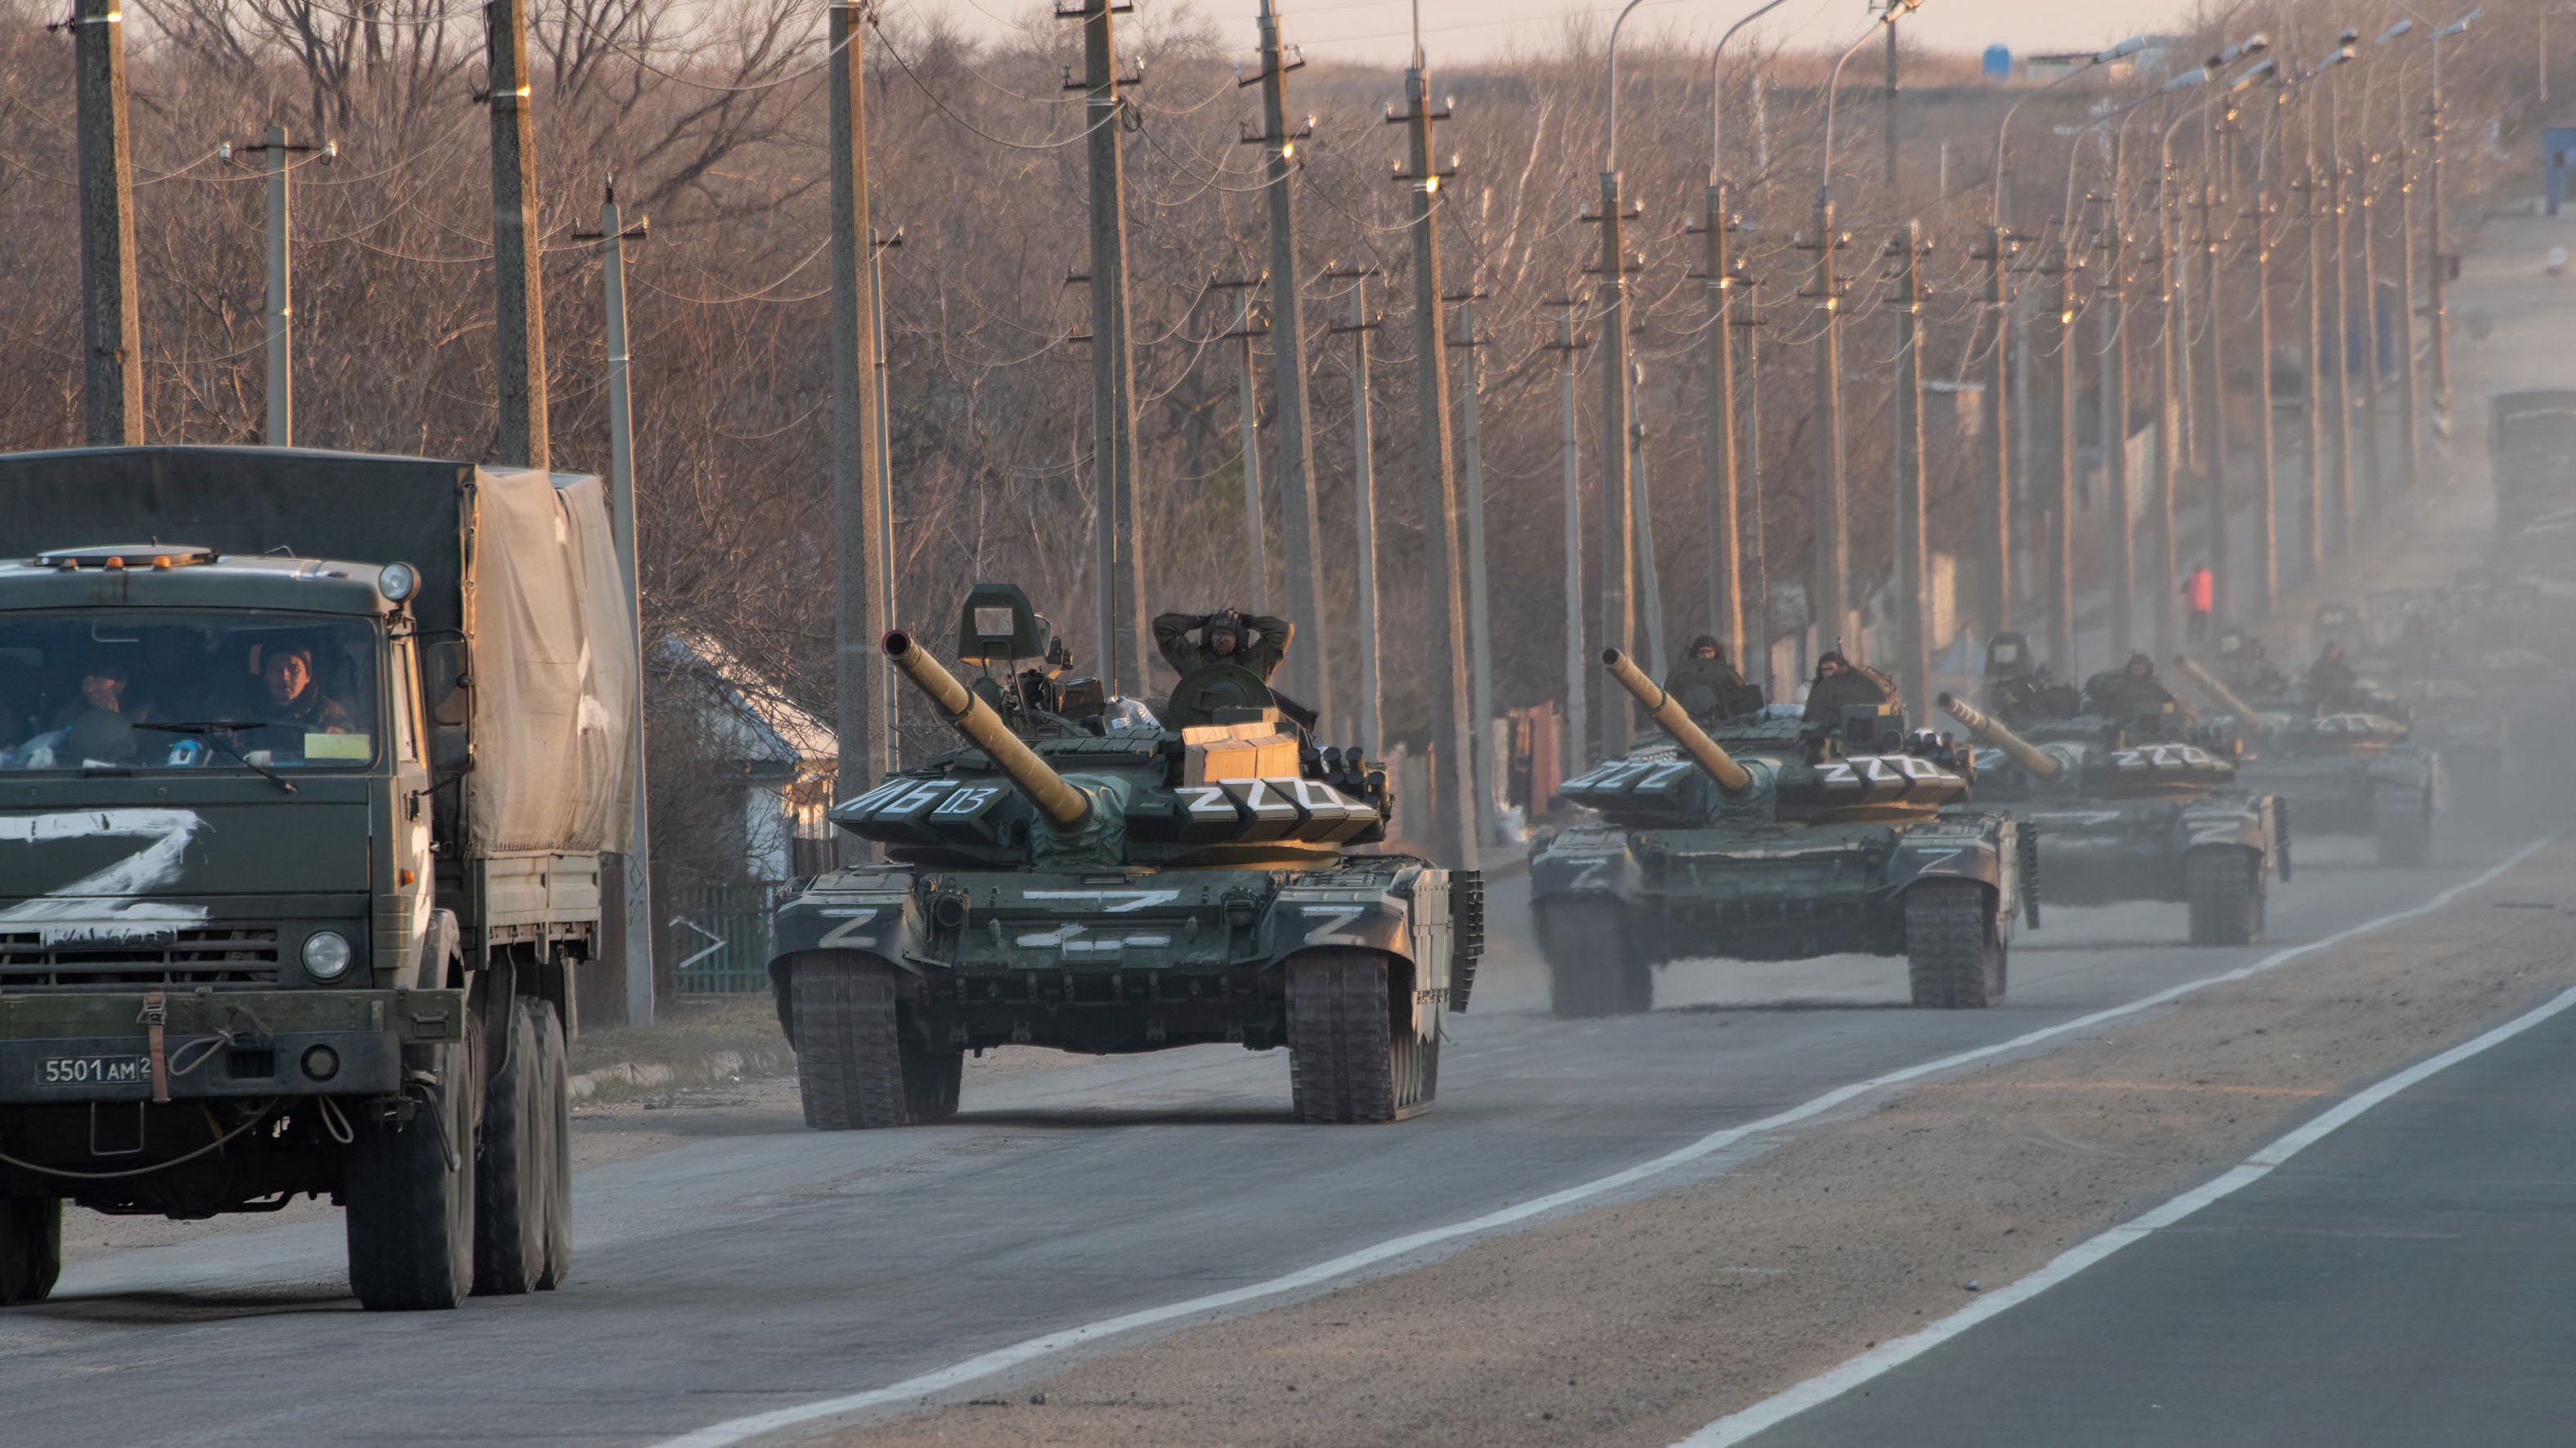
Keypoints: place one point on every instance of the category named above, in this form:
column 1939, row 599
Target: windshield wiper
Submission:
column 220, row 731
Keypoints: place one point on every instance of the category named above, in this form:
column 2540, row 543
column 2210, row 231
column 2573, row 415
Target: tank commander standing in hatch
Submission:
column 1841, row 684
column 1710, row 687
column 1257, row 643
column 2133, row 691
column 2330, row 683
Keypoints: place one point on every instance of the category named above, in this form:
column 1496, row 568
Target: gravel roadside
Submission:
column 1637, row 1323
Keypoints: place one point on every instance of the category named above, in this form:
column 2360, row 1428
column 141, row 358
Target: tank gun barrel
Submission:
column 1060, row 802
column 1986, row 731
column 1732, row 777
column 2251, row 717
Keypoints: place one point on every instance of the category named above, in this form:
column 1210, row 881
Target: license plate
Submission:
column 92, row 1070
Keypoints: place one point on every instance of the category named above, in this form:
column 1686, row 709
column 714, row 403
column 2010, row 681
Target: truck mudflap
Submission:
column 59, row 1049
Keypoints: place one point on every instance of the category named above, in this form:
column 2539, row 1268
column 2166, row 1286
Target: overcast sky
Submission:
column 1460, row 31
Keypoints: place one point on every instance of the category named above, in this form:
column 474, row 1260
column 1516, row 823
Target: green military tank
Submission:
column 1778, row 839
column 1063, row 882
column 2341, row 772
column 2134, row 812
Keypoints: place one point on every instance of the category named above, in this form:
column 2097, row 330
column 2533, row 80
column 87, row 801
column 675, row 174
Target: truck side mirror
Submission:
column 443, row 665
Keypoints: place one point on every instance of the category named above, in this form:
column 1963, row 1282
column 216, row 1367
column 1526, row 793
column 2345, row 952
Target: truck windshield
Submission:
column 192, row 690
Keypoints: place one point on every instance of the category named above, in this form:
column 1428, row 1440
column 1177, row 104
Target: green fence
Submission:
column 719, row 938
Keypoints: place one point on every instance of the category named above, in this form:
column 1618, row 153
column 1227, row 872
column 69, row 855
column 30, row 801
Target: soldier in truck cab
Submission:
column 291, row 701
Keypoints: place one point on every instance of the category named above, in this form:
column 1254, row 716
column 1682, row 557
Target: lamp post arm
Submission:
column 1717, row 90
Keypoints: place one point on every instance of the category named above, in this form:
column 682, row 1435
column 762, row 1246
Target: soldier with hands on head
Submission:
column 1226, row 636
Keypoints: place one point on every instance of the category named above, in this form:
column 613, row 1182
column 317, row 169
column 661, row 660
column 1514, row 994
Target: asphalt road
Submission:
column 759, row 1271
column 2401, row 1282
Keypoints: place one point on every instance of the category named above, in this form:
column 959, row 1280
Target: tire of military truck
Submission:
column 2224, row 889
column 510, row 1165
column 555, row 1093
column 1954, row 952
column 2404, row 825
column 856, row 1068
column 1591, row 971
column 409, row 1190
column 1348, row 1062
column 31, row 1248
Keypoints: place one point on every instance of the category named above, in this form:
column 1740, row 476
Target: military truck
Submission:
column 306, row 762
column 1778, row 839
column 2129, row 815
column 2532, row 437
column 2348, row 772
column 1062, row 881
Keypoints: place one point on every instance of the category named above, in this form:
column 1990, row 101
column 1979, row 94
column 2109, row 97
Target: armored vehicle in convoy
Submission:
column 1064, row 881
column 2345, row 772
column 1778, row 839
column 2130, row 816
column 2532, row 437
column 300, row 818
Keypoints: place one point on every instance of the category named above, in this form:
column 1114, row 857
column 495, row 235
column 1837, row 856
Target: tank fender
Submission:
column 1595, row 863
column 873, row 914
column 2226, row 822
column 1345, row 919
column 1986, row 849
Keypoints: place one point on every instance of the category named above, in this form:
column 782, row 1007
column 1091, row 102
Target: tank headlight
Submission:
column 397, row 581
column 326, row 955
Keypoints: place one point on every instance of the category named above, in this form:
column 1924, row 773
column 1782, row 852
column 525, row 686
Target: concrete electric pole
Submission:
column 519, row 314
column 1124, row 649
column 864, row 713
column 112, row 338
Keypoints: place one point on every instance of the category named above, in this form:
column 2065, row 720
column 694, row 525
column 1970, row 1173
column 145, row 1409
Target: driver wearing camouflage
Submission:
column 1226, row 636
column 1841, row 684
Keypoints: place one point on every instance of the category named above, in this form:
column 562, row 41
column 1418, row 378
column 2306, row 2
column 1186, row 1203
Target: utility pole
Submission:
column 2345, row 517
column 2312, row 190
column 1256, row 548
column 612, row 236
column 1618, row 501
column 1993, row 414
column 1757, row 613
column 2169, row 424
column 112, row 340
column 2267, row 510
column 1364, row 504
column 1308, row 679
column 880, row 244
column 1913, row 646
column 1480, row 634
column 1720, row 461
column 1578, row 671
column 2438, row 274
column 2410, row 458
column 2111, row 297
column 2375, row 481
column 519, row 314
column 2219, row 547
column 1889, row 179
column 1650, row 583
column 280, row 430
column 1453, row 816
column 864, row 706
column 1121, row 594
column 1833, row 545
column 2061, row 527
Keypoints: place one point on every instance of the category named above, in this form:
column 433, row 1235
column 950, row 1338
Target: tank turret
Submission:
column 1986, row 731
column 1674, row 720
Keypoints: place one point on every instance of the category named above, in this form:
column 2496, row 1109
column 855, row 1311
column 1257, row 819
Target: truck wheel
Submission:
column 1954, row 955
column 510, row 1167
column 554, row 1096
column 1591, row 971
column 2404, row 825
column 31, row 1248
column 2225, row 891
column 855, row 1067
column 1347, row 1059
column 409, row 1187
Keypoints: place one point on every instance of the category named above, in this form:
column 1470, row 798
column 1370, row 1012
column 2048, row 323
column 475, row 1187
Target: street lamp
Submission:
column 2003, row 178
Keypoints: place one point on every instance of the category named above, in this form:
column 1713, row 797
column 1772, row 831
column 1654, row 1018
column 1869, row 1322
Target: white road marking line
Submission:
column 1834, row 1382
column 1029, row 1350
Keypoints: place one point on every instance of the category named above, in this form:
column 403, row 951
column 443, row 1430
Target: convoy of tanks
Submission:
column 309, row 842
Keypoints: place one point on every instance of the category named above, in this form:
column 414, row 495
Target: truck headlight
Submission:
column 326, row 955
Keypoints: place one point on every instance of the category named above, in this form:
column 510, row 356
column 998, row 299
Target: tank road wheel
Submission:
column 409, row 1187
column 1349, row 1058
column 2225, row 891
column 1591, row 971
column 1954, row 953
column 554, row 1098
column 31, row 1248
column 855, row 1067
column 511, row 1166
column 2403, row 821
